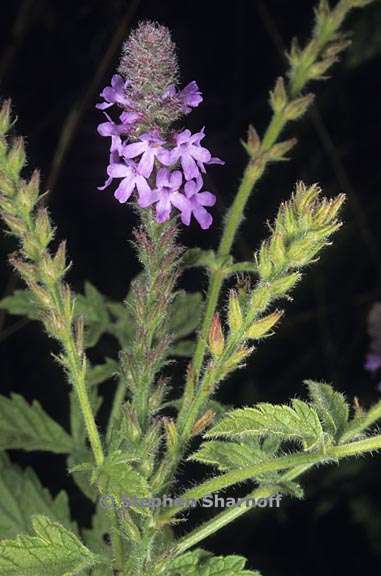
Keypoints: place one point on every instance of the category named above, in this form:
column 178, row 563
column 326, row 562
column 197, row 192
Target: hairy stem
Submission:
column 300, row 74
column 290, row 461
column 229, row 515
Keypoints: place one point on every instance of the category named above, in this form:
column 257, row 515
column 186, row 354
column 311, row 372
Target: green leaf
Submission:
column 117, row 478
column 28, row 427
column 297, row 422
column 182, row 349
column 53, row 551
column 200, row 563
column 92, row 305
column 98, row 374
column 195, row 257
column 21, row 303
column 22, row 495
column 230, row 455
column 331, row 407
column 185, row 314
column 94, row 538
column 122, row 327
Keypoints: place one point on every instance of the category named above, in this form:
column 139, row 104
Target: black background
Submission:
column 50, row 54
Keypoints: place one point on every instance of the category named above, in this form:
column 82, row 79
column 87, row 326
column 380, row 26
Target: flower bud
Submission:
column 262, row 327
column 253, row 143
column 298, row 107
column 5, row 117
column 16, row 157
column 44, row 230
column 278, row 97
column 170, row 433
column 216, row 337
column 281, row 286
column 278, row 151
column 203, row 422
column 235, row 319
column 261, row 297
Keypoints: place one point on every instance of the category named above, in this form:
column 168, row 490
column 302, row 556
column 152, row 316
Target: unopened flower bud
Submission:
column 298, row 107
column 5, row 117
column 235, row 318
column 16, row 157
column 216, row 337
column 278, row 97
column 262, row 327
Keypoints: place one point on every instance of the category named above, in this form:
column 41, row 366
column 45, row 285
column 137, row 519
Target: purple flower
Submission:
column 190, row 96
column 114, row 94
column 150, row 147
column 115, row 153
column 373, row 362
column 131, row 179
column 167, row 193
column 195, row 202
column 189, row 152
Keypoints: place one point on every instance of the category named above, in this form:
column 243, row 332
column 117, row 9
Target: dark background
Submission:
column 55, row 57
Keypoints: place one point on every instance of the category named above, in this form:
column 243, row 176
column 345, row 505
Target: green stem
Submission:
column 282, row 463
column 299, row 76
column 230, row 514
column 117, row 403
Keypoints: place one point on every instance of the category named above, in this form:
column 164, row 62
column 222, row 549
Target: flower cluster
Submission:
column 160, row 166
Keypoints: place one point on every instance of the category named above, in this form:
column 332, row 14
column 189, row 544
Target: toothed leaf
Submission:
column 26, row 426
column 22, row 496
column 331, row 407
column 53, row 551
column 297, row 422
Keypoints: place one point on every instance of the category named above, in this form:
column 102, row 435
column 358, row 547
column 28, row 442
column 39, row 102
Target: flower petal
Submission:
column 146, row 162
column 206, row 199
column 189, row 167
column 175, row 179
column 133, row 150
column 162, row 177
column 203, row 217
column 124, row 190
column 146, row 196
column 119, row 171
column 190, row 188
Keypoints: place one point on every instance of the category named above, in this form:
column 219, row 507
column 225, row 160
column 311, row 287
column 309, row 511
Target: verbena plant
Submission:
column 129, row 469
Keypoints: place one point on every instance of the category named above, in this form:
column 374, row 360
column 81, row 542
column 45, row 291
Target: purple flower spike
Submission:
column 131, row 179
column 150, row 147
column 189, row 152
column 190, row 97
column 168, row 195
column 114, row 94
column 196, row 201
column 144, row 147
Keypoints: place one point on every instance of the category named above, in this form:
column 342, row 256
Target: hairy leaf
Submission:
column 298, row 422
column 230, row 455
column 22, row 495
column 101, row 372
column 331, row 407
column 94, row 538
column 117, row 479
column 28, row 427
column 92, row 306
column 21, row 303
column 200, row 563
column 53, row 551
column 185, row 313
